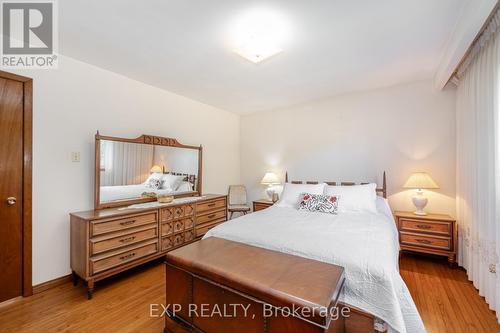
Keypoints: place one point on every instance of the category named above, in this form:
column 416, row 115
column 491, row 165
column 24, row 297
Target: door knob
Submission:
column 11, row 200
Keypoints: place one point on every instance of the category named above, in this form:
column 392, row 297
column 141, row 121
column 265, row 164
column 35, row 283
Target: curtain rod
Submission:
column 495, row 13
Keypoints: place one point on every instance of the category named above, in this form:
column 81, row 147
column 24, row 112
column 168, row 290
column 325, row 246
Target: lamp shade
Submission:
column 156, row 169
column 270, row 179
column 420, row 180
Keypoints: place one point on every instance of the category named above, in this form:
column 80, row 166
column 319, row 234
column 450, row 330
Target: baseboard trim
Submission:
column 51, row 284
column 10, row 301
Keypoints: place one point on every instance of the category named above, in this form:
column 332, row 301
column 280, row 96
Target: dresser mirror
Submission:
column 129, row 171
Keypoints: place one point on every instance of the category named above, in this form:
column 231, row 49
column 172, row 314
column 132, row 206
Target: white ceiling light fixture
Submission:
column 259, row 34
column 257, row 50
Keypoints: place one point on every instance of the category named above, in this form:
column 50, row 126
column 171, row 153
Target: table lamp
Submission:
column 270, row 179
column 156, row 169
column 420, row 181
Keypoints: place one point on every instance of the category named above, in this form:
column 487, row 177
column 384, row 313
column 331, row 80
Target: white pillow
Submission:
column 155, row 175
column 291, row 193
column 155, row 183
column 172, row 182
column 185, row 186
column 358, row 198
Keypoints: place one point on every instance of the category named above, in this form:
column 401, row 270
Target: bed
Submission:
column 364, row 243
column 126, row 192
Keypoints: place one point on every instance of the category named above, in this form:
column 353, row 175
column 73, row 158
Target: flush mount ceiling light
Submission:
column 257, row 50
column 258, row 34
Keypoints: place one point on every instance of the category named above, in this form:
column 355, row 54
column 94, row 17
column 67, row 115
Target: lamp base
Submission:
column 420, row 201
column 270, row 192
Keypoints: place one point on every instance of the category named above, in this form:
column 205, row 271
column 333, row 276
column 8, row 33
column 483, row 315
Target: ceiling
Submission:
column 333, row 46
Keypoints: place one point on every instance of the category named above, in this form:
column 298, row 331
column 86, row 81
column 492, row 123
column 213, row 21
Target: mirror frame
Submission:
column 148, row 140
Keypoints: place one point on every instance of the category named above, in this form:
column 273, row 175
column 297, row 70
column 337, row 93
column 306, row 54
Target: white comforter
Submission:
column 124, row 192
column 365, row 244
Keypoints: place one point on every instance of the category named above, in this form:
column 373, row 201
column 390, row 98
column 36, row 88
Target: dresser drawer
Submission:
column 210, row 205
column 167, row 214
column 260, row 206
column 436, row 227
column 189, row 210
column 189, row 235
column 102, row 263
column 178, row 239
column 167, row 243
column 178, row 225
column 210, row 217
column 99, row 227
column 201, row 230
column 120, row 239
column 178, row 212
column 188, row 223
column 422, row 240
column 167, row 228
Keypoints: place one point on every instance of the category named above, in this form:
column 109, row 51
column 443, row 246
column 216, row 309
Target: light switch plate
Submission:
column 75, row 156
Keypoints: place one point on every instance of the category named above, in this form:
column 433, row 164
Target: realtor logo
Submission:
column 28, row 34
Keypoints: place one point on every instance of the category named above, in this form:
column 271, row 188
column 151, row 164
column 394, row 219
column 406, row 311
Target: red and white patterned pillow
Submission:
column 319, row 203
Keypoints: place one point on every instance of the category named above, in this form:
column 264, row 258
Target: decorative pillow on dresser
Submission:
column 321, row 203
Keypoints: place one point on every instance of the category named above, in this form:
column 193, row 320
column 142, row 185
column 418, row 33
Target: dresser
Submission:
column 261, row 204
column 432, row 233
column 108, row 241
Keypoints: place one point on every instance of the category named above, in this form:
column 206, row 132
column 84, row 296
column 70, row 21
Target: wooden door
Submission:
column 12, row 186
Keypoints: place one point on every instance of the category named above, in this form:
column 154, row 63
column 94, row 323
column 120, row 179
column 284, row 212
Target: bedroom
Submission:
column 136, row 103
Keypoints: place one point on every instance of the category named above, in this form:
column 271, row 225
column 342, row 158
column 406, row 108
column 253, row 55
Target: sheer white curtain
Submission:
column 478, row 165
column 124, row 163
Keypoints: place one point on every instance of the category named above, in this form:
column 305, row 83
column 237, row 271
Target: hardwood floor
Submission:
column 120, row 304
column 446, row 300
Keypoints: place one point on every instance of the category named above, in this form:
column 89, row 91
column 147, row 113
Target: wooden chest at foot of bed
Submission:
column 216, row 285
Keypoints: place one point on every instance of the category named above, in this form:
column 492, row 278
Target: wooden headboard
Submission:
column 381, row 190
column 187, row 177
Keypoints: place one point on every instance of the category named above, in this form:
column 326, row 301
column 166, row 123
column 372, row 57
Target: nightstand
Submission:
column 261, row 204
column 432, row 233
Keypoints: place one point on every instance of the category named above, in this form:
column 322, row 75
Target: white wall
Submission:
column 356, row 137
column 352, row 137
column 70, row 105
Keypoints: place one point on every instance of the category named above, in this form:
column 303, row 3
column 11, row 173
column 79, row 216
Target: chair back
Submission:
column 237, row 195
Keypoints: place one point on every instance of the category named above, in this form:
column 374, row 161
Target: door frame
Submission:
column 27, row 176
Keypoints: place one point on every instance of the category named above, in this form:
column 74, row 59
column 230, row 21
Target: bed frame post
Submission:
column 286, row 176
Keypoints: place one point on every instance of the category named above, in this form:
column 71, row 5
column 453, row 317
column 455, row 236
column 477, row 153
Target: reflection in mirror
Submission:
column 135, row 170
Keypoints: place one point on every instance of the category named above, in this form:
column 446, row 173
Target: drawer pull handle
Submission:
column 211, row 205
column 211, row 216
column 424, row 241
column 129, row 239
column 128, row 256
column 423, row 226
column 127, row 222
